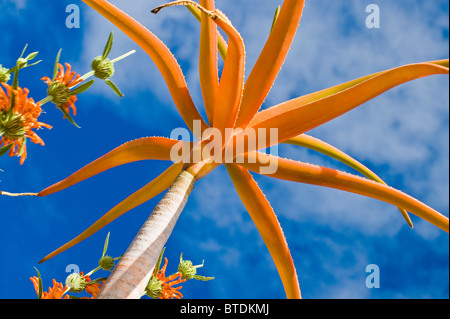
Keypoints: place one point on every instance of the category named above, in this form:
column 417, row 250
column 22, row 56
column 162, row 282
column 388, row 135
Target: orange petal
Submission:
column 329, row 150
column 156, row 186
column 232, row 79
column 269, row 63
column 302, row 114
column 268, row 226
column 155, row 148
column 209, row 78
column 322, row 176
column 159, row 53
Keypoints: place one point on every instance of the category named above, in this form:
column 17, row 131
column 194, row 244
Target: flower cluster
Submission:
column 59, row 290
column 77, row 282
column 162, row 287
column 19, row 113
column 59, row 88
column 18, row 117
column 56, row 292
column 158, row 287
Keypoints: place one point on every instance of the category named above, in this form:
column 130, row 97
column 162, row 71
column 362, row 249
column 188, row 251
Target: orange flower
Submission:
column 168, row 291
column 59, row 88
column 56, row 292
column 17, row 123
column 92, row 289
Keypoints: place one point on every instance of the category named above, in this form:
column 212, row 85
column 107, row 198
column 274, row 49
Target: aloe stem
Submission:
column 131, row 275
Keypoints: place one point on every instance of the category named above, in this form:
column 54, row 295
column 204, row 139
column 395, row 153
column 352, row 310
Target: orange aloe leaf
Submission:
column 329, row 150
column 147, row 148
column 265, row 71
column 156, row 186
column 315, row 96
column 208, row 72
column 302, row 114
column 268, row 226
column 231, row 83
column 160, row 54
column 317, row 175
column 232, row 79
column 222, row 45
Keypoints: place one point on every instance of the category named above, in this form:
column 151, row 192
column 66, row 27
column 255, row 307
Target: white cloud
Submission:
column 18, row 4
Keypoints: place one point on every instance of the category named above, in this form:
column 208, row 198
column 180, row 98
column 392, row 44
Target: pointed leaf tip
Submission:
column 55, row 68
column 108, row 46
column 114, row 87
column 82, row 88
column 5, row 149
column 67, row 115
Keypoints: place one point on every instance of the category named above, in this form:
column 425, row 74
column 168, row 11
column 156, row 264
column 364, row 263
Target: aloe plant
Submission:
column 232, row 102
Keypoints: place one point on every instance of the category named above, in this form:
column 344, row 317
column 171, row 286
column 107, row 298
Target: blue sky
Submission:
column 402, row 135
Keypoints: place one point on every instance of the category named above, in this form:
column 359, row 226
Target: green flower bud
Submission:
column 188, row 271
column 11, row 125
column 59, row 92
column 106, row 263
column 75, row 282
column 4, row 75
column 154, row 288
column 103, row 68
column 22, row 62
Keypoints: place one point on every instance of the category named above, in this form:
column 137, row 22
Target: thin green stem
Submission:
column 45, row 100
column 93, row 270
column 86, row 76
column 91, row 73
column 123, row 56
